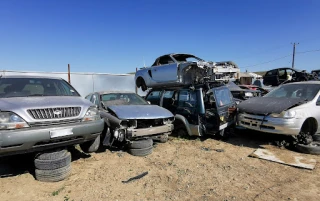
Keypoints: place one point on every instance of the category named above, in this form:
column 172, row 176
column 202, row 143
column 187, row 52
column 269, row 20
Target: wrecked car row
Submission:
column 46, row 115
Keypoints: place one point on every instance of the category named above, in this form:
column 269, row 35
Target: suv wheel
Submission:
column 91, row 146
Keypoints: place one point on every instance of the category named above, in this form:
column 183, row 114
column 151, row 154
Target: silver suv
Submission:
column 38, row 113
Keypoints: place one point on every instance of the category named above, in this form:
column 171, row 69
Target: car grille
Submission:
column 147, row 123
column 55, row 113
column 54, row 123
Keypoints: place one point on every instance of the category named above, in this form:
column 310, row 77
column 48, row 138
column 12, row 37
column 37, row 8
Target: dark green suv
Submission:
column 198, row 111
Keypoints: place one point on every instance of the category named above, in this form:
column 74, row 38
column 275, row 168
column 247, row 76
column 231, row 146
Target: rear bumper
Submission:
column 150, row 131
column 38, row 139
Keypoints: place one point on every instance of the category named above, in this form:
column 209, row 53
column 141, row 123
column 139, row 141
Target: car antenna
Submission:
column 144, row 63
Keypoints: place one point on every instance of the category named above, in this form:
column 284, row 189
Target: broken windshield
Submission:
column 122, row 99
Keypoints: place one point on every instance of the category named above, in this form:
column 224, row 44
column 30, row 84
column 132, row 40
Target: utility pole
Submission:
column 294, row 53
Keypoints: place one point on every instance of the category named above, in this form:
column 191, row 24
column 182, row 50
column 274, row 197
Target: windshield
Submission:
column 304, row 91
column 26, row 87
column 223, row 97
column 122, row 99
column 186, row 58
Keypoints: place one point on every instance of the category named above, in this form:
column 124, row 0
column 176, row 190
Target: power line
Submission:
column 267, row 61
column 308, row 51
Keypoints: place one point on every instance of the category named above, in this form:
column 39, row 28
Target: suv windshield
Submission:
column 223, row 97
column 25, row 87
column 122, row 99
column 304, row 91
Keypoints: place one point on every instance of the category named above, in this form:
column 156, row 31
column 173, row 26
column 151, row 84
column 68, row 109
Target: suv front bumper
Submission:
column 39, row 138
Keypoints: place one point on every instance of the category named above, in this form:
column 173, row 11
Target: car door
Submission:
column 317, row 113
column 154, row 97
column 187, row 105
column 271, row 78
column 165, row 71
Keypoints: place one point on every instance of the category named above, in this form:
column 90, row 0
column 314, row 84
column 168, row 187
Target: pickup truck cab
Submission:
column 198, row 110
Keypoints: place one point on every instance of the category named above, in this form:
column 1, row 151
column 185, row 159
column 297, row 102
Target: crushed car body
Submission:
column 290, row 109
column 129, row 117
column 182, row 69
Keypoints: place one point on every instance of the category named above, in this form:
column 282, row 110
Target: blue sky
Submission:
column 118, row 36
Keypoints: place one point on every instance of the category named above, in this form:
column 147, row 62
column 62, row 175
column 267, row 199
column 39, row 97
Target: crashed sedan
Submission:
column 129, row 120
column 174, row 70
column 291, row 109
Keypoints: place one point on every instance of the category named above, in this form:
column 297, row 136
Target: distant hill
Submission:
column 260, row 73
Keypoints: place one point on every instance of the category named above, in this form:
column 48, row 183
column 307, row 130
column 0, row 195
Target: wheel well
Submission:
column 139, row 81
column 310, row 125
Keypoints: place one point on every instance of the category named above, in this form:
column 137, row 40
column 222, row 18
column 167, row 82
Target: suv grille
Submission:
column 54, row 123
column 55, row 113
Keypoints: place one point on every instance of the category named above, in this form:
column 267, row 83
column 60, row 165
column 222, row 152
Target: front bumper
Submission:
column 140, row 132
column 269, row 124
column 39, row 138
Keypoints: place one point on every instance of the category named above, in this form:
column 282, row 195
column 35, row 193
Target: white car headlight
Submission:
column 92, row 114
column 285, row 114
column 289, row 114
column 168, row 120
column 248, row 94
column 10, row 120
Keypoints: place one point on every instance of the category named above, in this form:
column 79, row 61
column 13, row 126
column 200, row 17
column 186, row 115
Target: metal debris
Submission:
column 136, row 177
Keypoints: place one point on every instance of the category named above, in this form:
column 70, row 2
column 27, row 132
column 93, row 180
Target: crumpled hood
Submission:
column 267, row 105
column 140, row 111
column 11, row 104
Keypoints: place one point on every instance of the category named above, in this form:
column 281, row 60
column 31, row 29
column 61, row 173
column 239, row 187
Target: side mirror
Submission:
column 318, row 103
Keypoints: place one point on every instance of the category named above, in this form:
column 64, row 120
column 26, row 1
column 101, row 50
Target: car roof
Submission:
column 305, row 82
column 29, row 76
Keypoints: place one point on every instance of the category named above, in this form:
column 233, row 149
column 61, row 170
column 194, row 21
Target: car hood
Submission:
column 11, row 104
column 140, row 111
column 267, row 105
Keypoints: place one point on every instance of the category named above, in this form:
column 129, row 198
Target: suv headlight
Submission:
column 92, row 114
column 10, row 120
column 168, row 120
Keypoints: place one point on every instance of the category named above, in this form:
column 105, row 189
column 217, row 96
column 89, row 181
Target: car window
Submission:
column 223, row 97
column 168, row 94
column 272, row 72
column 187, row 98
column 154, row 97
column 94, row 99
column 289, row 71
column 282, row 72
column 304, row 91
column 88, row 97
column 122, row 99
column 165, row 60
column 24, row 87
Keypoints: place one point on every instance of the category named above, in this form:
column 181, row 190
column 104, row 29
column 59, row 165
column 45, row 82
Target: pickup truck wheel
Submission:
column 141, row 152
column 53, row 175
column 48, row 155
column 140, row 144
column 312, row 148
column 91, row 146
column 54, row 163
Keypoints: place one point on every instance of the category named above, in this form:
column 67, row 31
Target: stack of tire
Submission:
column 53, row 166
column 141, row 147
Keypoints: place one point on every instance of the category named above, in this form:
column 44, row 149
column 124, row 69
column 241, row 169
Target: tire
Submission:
column 140, row 144
column 51, row 155
column 53, row 164
column 91, row 146
column 312, row 148
column 316, row 137
column 141, row 152
column 181, row 132
column 53, row 175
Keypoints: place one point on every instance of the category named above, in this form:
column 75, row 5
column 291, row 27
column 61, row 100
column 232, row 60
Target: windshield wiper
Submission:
column 36, row 95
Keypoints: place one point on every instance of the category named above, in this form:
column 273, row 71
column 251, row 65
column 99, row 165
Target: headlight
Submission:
column 92, row 114
column 285, row 114
column 289, row 114
column 248, row 94
column 9, row 120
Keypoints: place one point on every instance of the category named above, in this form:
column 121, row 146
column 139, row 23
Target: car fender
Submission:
column 184, row 121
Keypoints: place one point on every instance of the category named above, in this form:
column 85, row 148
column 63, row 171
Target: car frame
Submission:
column 34, row 117
column 194, row 116
column 295, row 115
column 125, row 123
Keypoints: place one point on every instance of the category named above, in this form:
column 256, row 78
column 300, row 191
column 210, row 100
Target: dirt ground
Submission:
column 181, row 169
